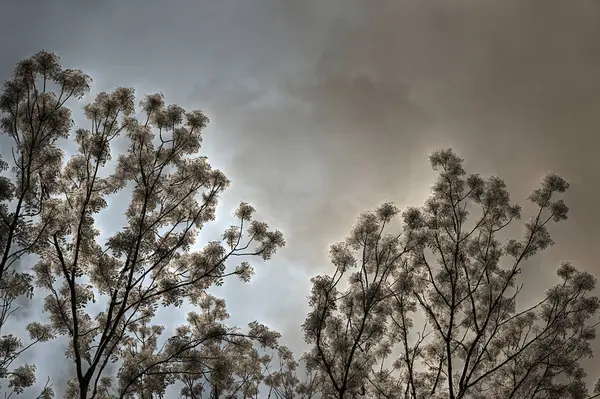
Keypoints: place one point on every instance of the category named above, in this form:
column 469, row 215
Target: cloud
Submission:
column 512, row 86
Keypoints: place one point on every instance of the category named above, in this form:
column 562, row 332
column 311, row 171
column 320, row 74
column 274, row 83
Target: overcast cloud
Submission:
column 322, row 109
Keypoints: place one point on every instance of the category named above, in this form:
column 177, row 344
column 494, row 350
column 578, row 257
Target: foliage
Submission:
column 450, row 265
column 147, row 263
column 35, row 119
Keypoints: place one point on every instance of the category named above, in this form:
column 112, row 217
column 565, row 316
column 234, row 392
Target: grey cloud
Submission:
column 511, row 85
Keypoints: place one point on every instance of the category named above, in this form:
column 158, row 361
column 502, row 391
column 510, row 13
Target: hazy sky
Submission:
column 322, row 109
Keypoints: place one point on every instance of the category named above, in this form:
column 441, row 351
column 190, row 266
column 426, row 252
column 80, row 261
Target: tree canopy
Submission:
column 145, row 264
column 449, row 266
column 422, row 307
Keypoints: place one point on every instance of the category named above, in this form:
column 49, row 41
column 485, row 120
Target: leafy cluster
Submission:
column 450, row 268
column 151, row 261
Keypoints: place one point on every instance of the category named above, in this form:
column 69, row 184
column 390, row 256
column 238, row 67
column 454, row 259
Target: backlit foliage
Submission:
column 149, row 262
column 449, row 267
column 34, row 118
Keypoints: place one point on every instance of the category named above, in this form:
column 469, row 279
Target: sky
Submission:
column 322, row 109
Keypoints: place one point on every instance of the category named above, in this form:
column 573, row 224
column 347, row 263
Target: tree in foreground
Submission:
column 432, row 311
column 147, row 263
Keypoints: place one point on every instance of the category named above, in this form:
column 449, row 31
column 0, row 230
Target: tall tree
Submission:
column 451, row 267
column 148, row 262
column 33, row 118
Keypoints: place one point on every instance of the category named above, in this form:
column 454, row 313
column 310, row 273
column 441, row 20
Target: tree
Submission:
column 451, row 267
column 34, row 120
column 148, row 262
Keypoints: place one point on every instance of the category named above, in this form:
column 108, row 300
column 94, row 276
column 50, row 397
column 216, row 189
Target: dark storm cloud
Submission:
column 513, row 86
